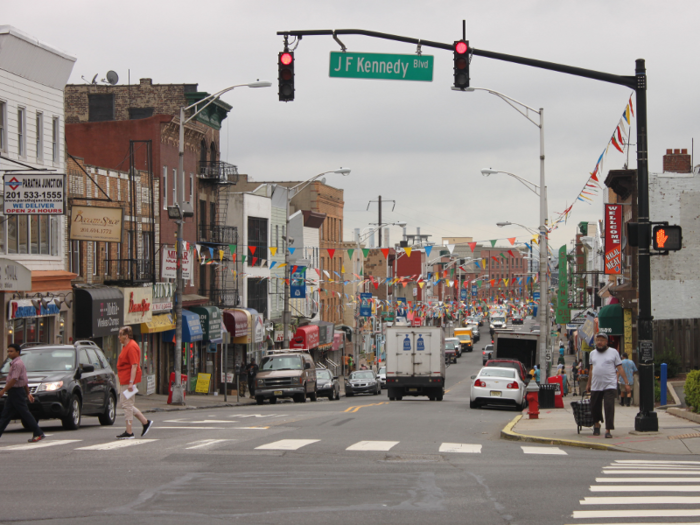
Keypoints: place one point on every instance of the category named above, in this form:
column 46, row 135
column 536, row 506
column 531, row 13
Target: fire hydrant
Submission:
column 533, row 402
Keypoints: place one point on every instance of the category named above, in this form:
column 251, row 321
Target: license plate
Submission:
column 413, row 390
column 495, row 393
column 279, row 392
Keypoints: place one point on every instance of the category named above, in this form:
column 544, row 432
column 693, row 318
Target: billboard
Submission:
column 91, row 223
column 613, row 239
column 34, row 194
column 365, row 305
column 169, row 267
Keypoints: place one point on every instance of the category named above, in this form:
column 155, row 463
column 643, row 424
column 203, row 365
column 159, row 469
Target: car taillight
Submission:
column 514, row 384
column 480, row 383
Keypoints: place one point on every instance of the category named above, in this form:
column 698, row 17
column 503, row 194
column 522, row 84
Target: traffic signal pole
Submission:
column 646, row 420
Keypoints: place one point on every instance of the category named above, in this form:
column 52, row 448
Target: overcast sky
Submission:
column 418, row 143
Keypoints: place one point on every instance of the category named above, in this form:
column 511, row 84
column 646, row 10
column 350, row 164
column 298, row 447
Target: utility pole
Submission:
column 379, row 221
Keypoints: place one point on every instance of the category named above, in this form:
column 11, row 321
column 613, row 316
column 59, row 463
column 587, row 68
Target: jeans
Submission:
column 16, row 406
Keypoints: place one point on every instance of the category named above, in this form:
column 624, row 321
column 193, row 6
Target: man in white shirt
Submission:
column 602, row 383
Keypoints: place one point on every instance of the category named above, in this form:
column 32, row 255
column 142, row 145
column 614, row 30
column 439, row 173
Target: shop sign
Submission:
column 613, row 239
column 279, row 335
column 202, row 386
column 169, row 266
column 14, row 276
column 258, row 328
column 107, row 317
column 162, row 297
column 150, row 384
column 137, row 305
column 22, row 308
column 365, row 305
column 92, row 223
column 210, row 319
column 34, row 194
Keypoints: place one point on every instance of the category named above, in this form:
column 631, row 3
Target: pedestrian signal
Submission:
column 461, row 64
column 285, row 76
column 667, row 238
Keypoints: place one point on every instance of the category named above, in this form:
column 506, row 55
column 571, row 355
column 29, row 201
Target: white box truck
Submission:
column 415, row 362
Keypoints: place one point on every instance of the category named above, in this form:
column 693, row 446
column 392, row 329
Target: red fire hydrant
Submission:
column 533, row 402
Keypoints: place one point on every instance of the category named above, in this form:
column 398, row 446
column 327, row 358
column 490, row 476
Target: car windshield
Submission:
column 497, row 372
column 49, row 360
column 361, row 375
column 323, row 374
column 488, row 347
column 450, row 346
column 536, row 328
column 287, row 362
column 499, row 319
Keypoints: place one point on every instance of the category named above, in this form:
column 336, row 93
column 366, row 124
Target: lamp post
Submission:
column 179, row 211
column 291, row 192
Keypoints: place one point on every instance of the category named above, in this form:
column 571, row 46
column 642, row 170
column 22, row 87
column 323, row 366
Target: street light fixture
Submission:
column 179, row 211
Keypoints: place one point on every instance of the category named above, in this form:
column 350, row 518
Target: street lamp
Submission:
column 291, row 193
column 178, row 212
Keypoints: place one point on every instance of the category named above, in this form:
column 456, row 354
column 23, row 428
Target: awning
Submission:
column 611, row 320
column 194, row 300
column 191, row 329
column 210, row 319
column 325, row 331
column 238, row 324
column 338, row 338
column 306, row 337
column 158, row 323
column 98, row 311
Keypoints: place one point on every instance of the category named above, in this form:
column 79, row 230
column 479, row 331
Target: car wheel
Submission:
column 432, row 398
column 300, row 398
column 519, row 407
column 331, row 396
column 473, row 404
column 439, row 397
column 259, row 400
column 349, row 394
column 109, row 416
column 399, row 398
column 273, row 400
column 72, row 419
column 313, row 396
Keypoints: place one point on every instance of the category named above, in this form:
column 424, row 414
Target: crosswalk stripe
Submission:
column 460, row 447
column 40, row 444
column 376, row 446
column 636, row 513
column 647, row 480
column 645, row 488
column 204, row 443
column 544, row 450
column 287, row 444
column 652, row 461
column 642, row 500
column 653, row 467
column 644, row 523
column 672, row 472
column 118, row 444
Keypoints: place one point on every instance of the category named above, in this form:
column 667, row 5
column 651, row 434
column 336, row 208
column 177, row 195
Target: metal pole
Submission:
column 544, row 302
column 646, row 420
column 286, row 314
column 225, row 367
column 379, row 224
column 178, row 397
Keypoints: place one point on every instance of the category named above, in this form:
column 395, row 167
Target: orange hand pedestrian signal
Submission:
column 661, row 237
column 667, row 238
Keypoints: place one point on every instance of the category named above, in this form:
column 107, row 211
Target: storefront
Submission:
column 257, row 349
column 192, row 337
column 611, row 322
column 210, row 319
column 30, row 321
column 326, row 331
column 306, row 337
column 99, row 314
column 162, row 321
column 137, row 309
column 238, row 322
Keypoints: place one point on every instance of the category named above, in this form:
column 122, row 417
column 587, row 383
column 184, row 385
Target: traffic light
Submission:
column 461, row 64
column 285, row 76
column 667, row 238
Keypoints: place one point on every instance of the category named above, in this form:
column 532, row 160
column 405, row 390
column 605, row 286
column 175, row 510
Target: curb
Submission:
column 508, row 433
column 682, row 413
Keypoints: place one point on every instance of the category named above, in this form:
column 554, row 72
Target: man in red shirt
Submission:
column 129, row 372
column 17, row 389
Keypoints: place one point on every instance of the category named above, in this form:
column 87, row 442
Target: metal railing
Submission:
column 133, row 270
column 218, row 172
column 218, row 234
column 222, row 297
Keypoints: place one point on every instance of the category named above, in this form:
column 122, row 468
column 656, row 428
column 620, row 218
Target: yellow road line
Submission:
column 356, row 408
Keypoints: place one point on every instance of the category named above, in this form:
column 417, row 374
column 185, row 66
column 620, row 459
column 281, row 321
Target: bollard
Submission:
column 662, row 380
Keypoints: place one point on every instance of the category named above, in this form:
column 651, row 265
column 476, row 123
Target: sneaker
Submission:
column 146, row 427
column 125, row 436
column 36, row 438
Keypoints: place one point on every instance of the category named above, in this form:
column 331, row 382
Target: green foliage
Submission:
column 692, row 389
column 672, row 359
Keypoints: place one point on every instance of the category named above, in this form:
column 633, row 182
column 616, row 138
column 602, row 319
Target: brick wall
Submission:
column 677, row 161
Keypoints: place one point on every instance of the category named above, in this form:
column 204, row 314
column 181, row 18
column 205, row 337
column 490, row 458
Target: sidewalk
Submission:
column 159, row 403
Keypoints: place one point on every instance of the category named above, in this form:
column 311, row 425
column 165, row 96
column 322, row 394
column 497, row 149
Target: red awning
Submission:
column 337, row 341
column 307, row 337
column 235, row 322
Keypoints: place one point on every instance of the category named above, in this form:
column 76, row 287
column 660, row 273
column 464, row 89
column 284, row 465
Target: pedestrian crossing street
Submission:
column 636, row 490
column 280, row 445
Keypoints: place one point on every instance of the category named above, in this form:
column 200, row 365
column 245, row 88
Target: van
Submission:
column 285, row 374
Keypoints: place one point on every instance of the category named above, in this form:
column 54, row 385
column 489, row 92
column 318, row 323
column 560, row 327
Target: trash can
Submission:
column 183, row 382
column 546, row 395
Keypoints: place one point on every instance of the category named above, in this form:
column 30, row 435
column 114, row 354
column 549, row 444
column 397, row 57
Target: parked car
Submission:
column 517, row 320
column 486, row 353
column 453, row 343
column 327, row 385
column 68, row 382
column 511, row 363
column 286, row 373
column 362, row 382
column 535, row 329
column 497, row 386
column 381, row 376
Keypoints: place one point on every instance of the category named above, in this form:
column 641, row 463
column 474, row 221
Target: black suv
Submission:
column 68, row 381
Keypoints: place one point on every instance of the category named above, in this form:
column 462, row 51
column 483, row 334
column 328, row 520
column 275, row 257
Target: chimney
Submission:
column 677, row 161
column 146, row 82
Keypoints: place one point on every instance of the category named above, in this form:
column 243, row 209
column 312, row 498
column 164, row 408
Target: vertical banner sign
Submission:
column 365, row 305
column 297, row 285
column 563, row 312
column 613, row 239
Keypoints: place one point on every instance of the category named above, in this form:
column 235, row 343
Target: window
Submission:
column 165, row 187
column 277, row 236
column 21, row 132
column 191, row 187
column 3, row 126
column 129, row 243
column 74, row 257
column 257, row 295
column 39, row 136
column 106, row 259
column 257, row 237
column 146, row 239
column 139, row 113
column 54, row 139
column 100, row 108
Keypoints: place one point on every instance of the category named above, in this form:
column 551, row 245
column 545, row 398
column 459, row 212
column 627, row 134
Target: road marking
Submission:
column 642, row 500
column 650, row 461
column 287, row 444
column 250, row 428
column 543, row 450
column 676, row 472
column 40, row 444
column 653, row 467
column 195, row 428
column 376, row 446
column 203, row 421
column 118, row 444
column 647, row 480
column 634, row 513
column 356, row 408
column 645, row 488
column 256, row 415
column 460, row 447
column 205, row 443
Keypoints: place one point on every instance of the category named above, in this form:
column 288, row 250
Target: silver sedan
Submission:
column 362, row 382
column 497, row 386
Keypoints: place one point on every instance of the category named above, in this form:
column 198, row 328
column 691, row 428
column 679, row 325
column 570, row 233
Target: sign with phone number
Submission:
column 34, row 194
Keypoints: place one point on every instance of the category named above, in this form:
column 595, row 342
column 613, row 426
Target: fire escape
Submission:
column 223, row 290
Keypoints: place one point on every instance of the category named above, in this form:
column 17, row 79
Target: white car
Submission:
column 497, row 386
column 381, row 376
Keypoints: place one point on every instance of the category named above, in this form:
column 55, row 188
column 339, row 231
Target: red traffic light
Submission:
column 461, row 47
column 286, row 58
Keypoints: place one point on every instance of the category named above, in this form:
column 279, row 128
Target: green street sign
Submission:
column 381, row 66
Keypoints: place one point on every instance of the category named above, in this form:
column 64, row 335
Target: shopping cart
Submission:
column 582, row 412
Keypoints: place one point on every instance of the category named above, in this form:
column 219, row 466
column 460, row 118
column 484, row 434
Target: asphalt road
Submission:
column 358, row 460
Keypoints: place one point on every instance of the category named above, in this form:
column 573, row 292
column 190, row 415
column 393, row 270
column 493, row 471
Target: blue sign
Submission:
column 474, row 290
column 420, row 345
column 297, row 284
column 407, row 344
column 365, row 305
column 401, row 307
column 463, row 294
column 536, row 296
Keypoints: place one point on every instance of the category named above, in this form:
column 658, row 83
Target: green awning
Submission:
column 611, row 320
